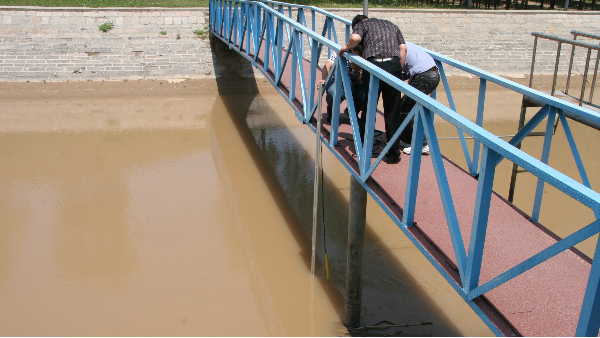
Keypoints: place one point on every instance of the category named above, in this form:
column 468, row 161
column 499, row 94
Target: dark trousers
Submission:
column 358, row 95
column 425, row 82
column 392, row 99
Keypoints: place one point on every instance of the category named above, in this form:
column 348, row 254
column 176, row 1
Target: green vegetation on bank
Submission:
column 477, row 4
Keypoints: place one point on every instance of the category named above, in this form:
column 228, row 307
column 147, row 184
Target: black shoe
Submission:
column 377, row 133
column 392, row 159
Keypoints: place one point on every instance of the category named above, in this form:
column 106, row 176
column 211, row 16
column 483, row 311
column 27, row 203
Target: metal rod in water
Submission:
column 317, row 180
column 585, row 73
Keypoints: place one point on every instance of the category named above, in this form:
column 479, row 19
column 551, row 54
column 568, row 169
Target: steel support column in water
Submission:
column 355, row 254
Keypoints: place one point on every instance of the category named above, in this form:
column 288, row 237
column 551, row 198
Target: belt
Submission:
column 374, row 59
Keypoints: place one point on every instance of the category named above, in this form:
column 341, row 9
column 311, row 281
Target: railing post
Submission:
column 533, row 61
column 355, row 253
column 595, row 76
column 556, row 68
column 480, row 218
column 414, row 169
column 570, row 62
column 585, row 73
column 539, row 192
column 479, row 121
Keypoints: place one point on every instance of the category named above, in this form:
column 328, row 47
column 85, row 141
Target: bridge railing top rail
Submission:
column 567, row 106
column 585, row 34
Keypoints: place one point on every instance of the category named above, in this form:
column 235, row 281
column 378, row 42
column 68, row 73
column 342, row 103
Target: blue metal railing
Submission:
column 264, row 33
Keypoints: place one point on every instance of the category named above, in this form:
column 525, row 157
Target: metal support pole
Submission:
column 533, row 61
column 317, row 179
column 355, row 255
column 585, row 73
column 366, row 7
column 556, row 68
column 595, row 75
column 570, row 63
column 515, row 167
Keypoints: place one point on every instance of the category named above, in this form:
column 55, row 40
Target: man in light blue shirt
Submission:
column 423, row 75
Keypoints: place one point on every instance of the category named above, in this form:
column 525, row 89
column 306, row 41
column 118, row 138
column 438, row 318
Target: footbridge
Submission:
column 517, row 275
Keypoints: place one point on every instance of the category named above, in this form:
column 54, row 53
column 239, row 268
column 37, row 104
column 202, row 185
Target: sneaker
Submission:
column 424, row 151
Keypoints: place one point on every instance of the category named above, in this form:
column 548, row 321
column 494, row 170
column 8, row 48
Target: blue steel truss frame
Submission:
column 247, row 25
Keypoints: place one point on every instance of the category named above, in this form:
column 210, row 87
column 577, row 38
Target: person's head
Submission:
column 358, row 50
column 358, row 18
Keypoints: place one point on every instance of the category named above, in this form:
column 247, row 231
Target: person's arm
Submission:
column 402, row 48
column 325, row 71
column 354, row 41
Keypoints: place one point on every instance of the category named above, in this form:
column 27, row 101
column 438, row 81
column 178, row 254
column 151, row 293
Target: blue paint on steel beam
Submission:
column 553, row 250
column 387, row 147
column 539, row 191
column 312, row 77
column 474, row 168
column 461, row 136
column 575, row 152
column 373, row 90
column 369, row 127
column 480, row 218
column 442, row 181
column 292, row 87
column 300, row 64
column 285, row 61
column 414, row 168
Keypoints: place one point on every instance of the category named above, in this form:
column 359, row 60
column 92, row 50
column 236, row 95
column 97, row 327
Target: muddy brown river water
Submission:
column 153, row 208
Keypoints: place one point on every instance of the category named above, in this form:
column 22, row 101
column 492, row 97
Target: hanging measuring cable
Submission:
column 323, row 220
column 318, row 173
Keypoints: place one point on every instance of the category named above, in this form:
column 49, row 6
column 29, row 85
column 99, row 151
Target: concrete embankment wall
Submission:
column 65, row 44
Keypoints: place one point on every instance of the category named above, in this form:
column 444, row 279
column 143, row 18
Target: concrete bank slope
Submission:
column 65, row 44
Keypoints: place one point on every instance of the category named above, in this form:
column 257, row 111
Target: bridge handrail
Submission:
column 583, row 112
column 585, row 34
column 495, row 149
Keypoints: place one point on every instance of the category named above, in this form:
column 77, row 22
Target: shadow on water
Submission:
column 390, row 293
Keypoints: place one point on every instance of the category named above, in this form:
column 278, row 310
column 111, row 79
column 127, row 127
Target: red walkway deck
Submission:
column 544, row 301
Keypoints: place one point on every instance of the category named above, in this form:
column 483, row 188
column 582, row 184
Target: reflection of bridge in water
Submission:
column 518, row 276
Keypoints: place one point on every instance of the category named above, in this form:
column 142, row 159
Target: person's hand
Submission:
column 342, row 50
column 320, row 82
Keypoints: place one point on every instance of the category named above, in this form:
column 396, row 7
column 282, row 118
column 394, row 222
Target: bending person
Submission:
column 384, row 46
column 424, row 76
column 356, row 86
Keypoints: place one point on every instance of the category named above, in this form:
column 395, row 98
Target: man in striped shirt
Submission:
column 384, row 46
